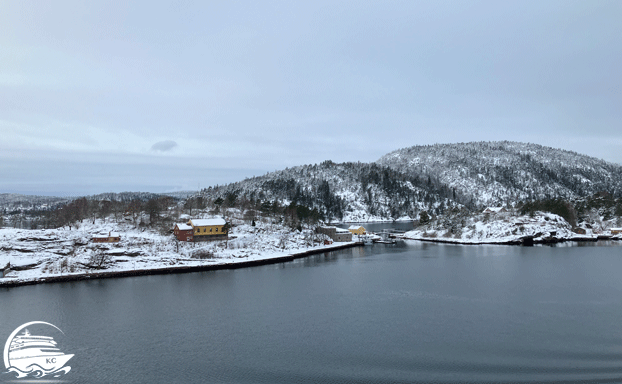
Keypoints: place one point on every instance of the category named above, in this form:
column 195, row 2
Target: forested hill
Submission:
column 432, row 178
column 347, row 191
column 493, row 173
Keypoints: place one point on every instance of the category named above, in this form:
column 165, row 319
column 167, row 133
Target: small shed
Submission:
column 112, row 237
column 357, row 230
column 183, row 232
column 493, row 210
column 580, row 231
column 615, row 231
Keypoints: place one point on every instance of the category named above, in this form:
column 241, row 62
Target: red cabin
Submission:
column 183, row 232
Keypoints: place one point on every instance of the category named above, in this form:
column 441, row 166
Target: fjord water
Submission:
column 411, row 312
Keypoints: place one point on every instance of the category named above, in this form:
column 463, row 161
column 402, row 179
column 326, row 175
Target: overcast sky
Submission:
column 112, row 96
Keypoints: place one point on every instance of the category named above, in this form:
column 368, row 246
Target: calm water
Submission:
column 411, row 312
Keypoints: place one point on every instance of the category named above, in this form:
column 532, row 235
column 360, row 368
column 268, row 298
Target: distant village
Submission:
column 199, row 230
column 217, row 228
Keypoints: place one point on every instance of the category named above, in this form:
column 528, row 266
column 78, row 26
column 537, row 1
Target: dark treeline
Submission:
column 601, row 204
column 295, row 214
column 81, row 209
column 334, row 189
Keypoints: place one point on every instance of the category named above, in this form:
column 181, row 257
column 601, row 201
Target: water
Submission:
column 411, row 312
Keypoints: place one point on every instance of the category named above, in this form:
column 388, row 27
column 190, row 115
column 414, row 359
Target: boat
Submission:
column 392, row 241
column 366, row 239
column 385, row 238
column 27, row 351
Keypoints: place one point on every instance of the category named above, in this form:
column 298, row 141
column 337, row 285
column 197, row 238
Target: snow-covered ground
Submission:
column 35, row 254
column 504, row 228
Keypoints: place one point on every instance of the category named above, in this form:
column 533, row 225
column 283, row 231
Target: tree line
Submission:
column 138, row 211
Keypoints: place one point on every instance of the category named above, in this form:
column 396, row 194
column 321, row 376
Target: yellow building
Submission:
column 357, row 230
column 208, row 229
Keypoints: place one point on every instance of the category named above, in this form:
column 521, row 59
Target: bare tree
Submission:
column 105, row 208
column 99, row 260
column 153, row 209
column 135, row 208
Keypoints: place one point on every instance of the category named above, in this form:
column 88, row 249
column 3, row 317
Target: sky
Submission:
column 166, row 96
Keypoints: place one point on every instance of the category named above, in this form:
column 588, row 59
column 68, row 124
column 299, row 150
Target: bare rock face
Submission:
column 125, row 253
column 24, row 267
column 42, row 239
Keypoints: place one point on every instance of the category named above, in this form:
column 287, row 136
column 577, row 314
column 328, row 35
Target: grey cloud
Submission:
column 163, row 146
column 295, row 84
column 59, row 173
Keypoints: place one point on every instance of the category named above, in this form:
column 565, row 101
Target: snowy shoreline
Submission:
column 272, row 259
column 517, row 241
column 68, row 253
column 508, row 229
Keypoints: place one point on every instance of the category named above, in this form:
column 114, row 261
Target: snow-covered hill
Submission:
column 433, row 178
column 352, row 192
column 493, row 173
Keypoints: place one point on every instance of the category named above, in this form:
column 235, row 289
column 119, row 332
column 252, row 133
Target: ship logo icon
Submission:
column 34, row 356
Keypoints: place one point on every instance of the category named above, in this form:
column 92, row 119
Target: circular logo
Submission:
column 35, row 355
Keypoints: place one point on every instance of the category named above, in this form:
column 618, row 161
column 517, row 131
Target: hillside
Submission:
column 432, row 178
column 495, row 173
column 347, row 191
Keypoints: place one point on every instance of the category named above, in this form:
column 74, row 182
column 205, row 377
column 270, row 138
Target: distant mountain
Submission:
column 31, row 205
column 493, row 173
column 143, row 196
column 125, row 196
column 180, row 194
column 16, row 200
column 13, row 201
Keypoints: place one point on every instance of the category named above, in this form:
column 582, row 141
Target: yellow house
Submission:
column 616, row 231
column 357, row 229
column 208, row 229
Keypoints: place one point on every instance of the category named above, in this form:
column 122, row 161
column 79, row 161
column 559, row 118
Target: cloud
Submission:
column 163, row 146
